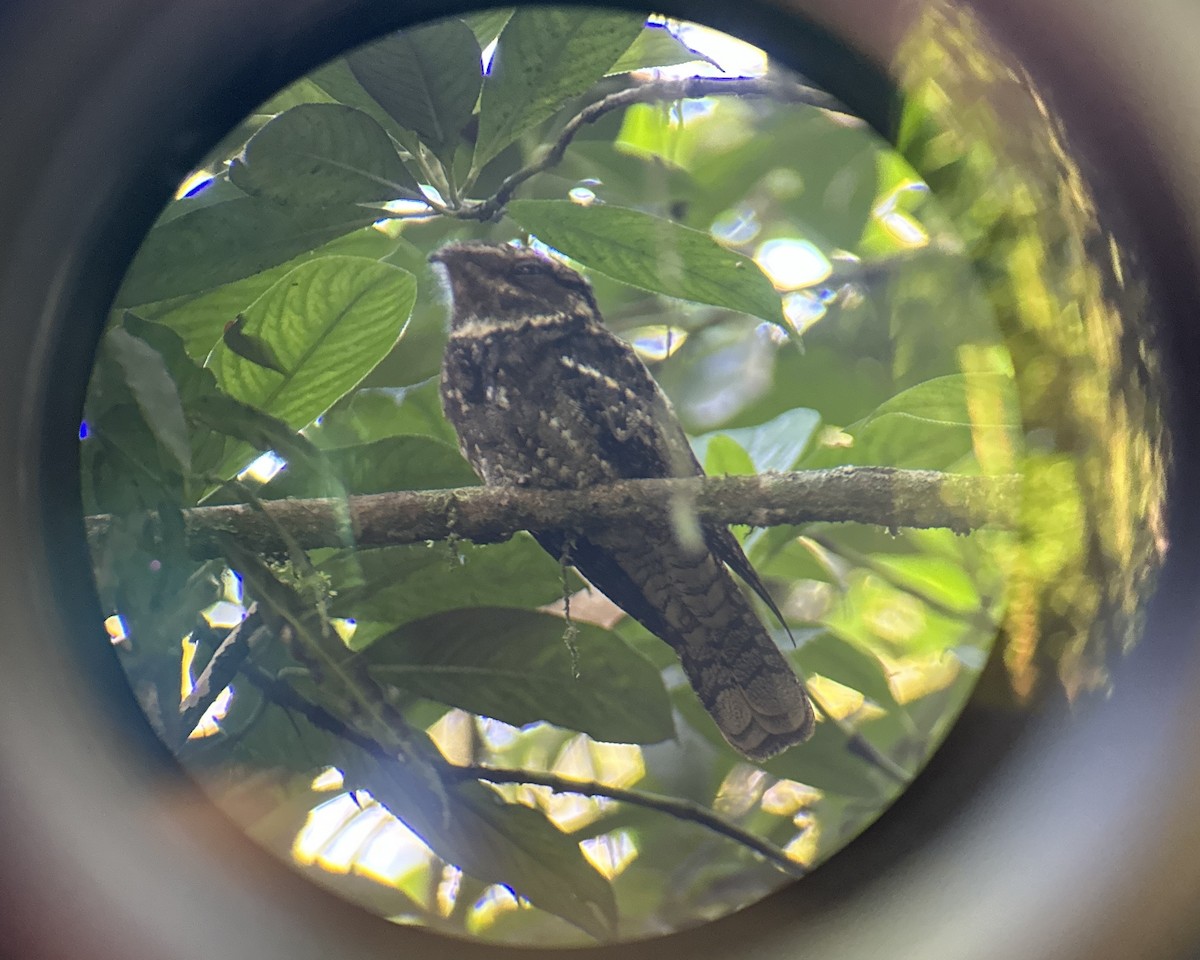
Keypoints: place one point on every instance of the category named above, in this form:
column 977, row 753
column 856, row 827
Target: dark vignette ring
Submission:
column 103, row 112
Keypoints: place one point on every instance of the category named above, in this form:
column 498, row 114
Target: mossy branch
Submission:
column 881, row 496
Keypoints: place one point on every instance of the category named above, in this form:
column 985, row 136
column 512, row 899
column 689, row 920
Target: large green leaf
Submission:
column 336, row 80
column 877, row 615
column 322, row 153
column 546, row 56
column 931, row 426
column 651, row 253
column 199, row 319
column 427, row 79
column 230, row 241
column 395, row 585
column 215, row 191
column 220, row 416
column 515, row 666
column 390, row 463
column 487, row 24
column 941, row 580
column 264, row 737
column 329, row 322
column 495, row 842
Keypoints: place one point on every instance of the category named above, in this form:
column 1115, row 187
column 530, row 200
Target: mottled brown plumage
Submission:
column 543, row 395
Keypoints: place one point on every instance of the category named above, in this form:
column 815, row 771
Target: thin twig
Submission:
column 880, row 496
column 680, row 809
column 283, row 695
column 652, row 92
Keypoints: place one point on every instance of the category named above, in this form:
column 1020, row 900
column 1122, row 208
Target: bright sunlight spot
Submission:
column 792, row 264
column 210, row 723
column 785, row 798
column 340, row 836
column 610, row 853
column 734, row 57
column 656, row 342
column 193, row 184
column 328, row 779
column 496, row 901
column 263, row 468
column 802, row 309
column 115, row 627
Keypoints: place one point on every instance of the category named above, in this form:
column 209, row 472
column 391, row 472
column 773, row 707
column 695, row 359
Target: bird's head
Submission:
column 501, row 285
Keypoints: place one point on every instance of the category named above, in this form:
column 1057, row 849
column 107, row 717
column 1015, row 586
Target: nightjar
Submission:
column 542, row 395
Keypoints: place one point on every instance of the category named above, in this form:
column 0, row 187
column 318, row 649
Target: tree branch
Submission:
column 881, row 496
column 285, row 696
column 674, row 806
column 652, row 92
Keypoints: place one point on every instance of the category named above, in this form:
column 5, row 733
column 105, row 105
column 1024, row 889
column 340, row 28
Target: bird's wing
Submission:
column 639, row 433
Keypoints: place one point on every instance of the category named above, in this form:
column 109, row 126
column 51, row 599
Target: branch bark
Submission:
column 881, row 496
column 655, row 91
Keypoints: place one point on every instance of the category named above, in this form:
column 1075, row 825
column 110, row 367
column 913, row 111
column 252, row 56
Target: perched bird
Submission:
column 543, row 395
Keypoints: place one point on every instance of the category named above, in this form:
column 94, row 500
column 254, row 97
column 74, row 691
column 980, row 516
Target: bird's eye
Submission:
column 526, row 269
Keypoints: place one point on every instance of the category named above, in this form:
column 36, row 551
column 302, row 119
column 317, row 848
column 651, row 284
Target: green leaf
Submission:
column 775, row 445
column 396, row 585
column 322, row 153
column 154, row 391
column 391, row 463
column 222, row 416
column 427, row 79
column 496, row 842
column 826, row 762
column 302, row 91
column 487, row 24
column 651, row 253
column 724, row 457
column 930, row 426
column 656, row 46
column 330, row 321
column 199, row 319
column 515, row 666
column 275, row 738
column 877, row 615
column 373, row 413
column 215, row 191
column 838, row 660
column 229, row 241
column 943, row 581
column 545, row 57
column 340, row 84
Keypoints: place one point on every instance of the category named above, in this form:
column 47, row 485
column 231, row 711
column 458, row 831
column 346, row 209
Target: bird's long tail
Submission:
column 691, row 600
